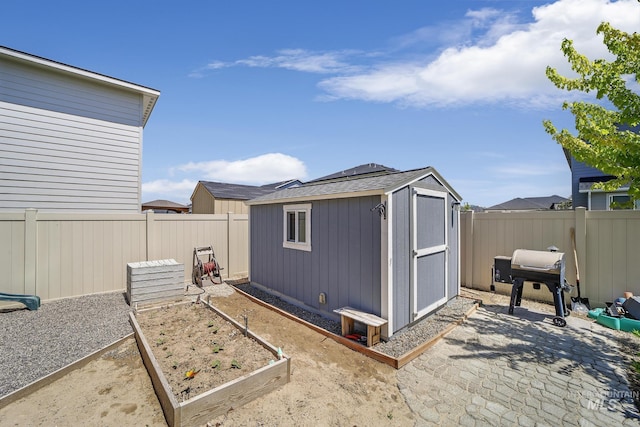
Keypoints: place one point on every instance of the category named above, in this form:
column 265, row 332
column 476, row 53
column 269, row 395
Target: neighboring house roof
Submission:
column 529, row 203
column 351, row 186
column 150, row 96
column 224, row 190
column 365, row 169
column 283, row 184
column 164, row 205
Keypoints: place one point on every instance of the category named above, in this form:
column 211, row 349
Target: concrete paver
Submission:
column 502, row 370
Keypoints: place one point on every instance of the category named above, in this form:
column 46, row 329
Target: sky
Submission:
column 256, row 92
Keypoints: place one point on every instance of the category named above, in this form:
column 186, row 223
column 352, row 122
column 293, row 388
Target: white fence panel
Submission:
column 56, row 255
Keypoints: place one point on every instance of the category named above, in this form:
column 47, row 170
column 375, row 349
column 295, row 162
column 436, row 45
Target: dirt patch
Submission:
column 197, row 349
column 330, row 384
column 111, row 390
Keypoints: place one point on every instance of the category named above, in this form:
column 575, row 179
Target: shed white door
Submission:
column 429, row 249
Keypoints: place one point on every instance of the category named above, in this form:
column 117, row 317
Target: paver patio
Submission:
column 498, row 369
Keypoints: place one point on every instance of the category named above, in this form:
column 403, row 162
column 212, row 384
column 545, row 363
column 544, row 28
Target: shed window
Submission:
column 297, row 227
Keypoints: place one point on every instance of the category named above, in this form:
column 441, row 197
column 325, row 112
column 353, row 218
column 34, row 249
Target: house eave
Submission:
column 149, row 95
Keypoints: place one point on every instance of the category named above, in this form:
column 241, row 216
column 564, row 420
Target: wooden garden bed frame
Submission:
column 217, row 401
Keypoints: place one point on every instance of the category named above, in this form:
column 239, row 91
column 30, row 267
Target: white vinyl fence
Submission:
column 55, row 255
column 607, row 246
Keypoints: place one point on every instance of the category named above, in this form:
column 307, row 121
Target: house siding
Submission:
column 46, row 89
column 202, row 201
column 344, row 262
column 58, row 162
column 68, row 143
column 581, row 170
column 224, row 206
column 599, row 202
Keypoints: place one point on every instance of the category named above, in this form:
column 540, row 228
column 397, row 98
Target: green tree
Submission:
column 608, row 131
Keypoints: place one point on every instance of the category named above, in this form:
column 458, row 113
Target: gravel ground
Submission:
column 400, row 343
column 301, row 313
column 37, row 343
column 426, row 329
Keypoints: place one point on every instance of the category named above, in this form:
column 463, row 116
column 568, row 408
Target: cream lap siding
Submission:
column 60, row 162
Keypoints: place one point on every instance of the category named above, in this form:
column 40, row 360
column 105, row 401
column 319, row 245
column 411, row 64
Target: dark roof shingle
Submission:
column 529, row 203
column 349, row 185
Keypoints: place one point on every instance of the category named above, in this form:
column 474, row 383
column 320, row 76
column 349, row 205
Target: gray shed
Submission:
column 387, row 245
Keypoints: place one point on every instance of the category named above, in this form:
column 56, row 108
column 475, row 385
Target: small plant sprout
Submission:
column 215, row 364
column 160, row 342
column 235, row 364
column 217, row 349
column 175, row 364
column 169, row 354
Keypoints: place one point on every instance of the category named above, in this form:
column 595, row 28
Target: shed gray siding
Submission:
column 68, row 144
column 454, row 250
column 401, row 244
column 344, row 261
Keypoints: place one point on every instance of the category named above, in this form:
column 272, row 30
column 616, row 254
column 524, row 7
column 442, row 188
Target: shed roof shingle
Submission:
column 224, row 190
column 348, row 186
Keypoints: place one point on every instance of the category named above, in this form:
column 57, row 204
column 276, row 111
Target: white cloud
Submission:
column 488, row 56
column 302, row 60
column 290, row 59
column 507, row 64
column 263, row 169
column 164, row 189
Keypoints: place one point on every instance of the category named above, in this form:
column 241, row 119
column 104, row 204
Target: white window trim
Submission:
column 611, row 196
column 286, row 209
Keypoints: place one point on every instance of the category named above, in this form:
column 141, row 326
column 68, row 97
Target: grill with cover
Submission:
column 546, row 267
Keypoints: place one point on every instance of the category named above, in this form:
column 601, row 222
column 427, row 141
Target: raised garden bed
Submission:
column 203, row 363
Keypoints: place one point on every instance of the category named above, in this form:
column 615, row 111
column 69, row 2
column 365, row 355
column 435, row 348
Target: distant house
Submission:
column 165, row 206
column 531, row 204
column 221, row 197
column 583, row 178
column 385, row 243
column 71, row 138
